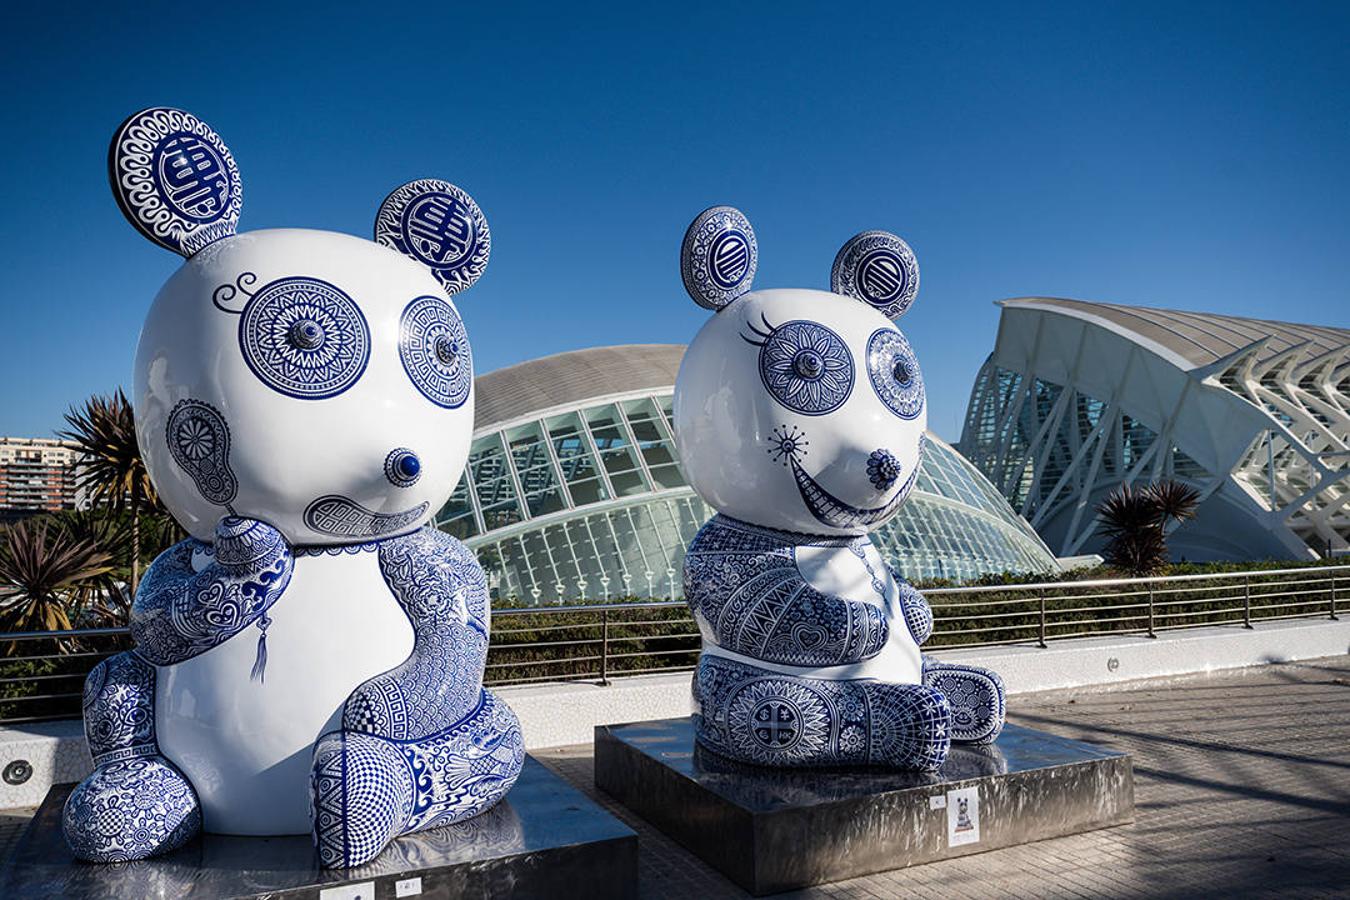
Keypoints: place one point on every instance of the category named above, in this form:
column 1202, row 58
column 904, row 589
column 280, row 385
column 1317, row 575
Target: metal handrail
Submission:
column 596, row 642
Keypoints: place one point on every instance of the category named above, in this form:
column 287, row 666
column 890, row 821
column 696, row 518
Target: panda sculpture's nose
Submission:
column 882, row 469
column 402, row 467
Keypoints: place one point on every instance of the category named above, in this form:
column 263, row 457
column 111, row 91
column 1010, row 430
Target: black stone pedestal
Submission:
column 546, row 839
column 773, row 830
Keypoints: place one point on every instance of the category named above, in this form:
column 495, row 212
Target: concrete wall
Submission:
column 567, row 712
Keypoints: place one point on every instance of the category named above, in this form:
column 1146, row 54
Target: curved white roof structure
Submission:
column 573, row 490
column 1079, row 397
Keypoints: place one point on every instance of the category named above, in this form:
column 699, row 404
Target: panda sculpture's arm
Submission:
column 179, row 613
column 744, row 587
column 918, row 614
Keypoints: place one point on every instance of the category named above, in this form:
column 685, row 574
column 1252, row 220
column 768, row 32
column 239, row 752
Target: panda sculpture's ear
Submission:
column 879, row 269
column 439, row 226
column 718, row 257
column 174, row 179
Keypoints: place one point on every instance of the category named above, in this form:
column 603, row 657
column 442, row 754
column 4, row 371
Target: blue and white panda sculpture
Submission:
column 311, row 658
column 800, row 417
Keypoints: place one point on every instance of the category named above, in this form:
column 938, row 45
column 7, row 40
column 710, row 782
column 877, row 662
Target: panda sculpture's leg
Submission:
column 976, row 697
column 395, row 767
column 768, row 718
column 135, row 803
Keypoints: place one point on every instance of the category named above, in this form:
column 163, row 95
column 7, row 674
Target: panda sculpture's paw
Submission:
column 367, row 790
column 135, row 803
column 767, row 718
column 976, row 696
column 129, row 810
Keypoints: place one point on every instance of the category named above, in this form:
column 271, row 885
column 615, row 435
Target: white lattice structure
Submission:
column 1079, row 397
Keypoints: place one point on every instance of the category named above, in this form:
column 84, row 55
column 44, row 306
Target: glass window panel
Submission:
column 456, row 516
column 576, row 460
column 616, row 452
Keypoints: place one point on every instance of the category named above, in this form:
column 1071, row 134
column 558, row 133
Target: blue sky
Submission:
column 1194, row 156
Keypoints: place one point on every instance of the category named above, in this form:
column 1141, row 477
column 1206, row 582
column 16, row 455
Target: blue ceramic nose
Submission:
column 402, row 467
column 882, row 469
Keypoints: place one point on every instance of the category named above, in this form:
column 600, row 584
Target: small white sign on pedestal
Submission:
column 963, row 816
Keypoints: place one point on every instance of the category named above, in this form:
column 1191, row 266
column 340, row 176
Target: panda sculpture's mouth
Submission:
column 830, row 510
column 343, row 517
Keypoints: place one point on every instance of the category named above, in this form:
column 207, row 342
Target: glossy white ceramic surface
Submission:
column 727, row 422
column 246, row 745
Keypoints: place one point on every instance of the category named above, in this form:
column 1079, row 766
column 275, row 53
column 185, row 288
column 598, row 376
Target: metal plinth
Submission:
column 546, row 839
column 773, row 830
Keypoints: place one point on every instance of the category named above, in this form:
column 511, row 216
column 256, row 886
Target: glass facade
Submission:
column 588, row 504
column 1046, row 446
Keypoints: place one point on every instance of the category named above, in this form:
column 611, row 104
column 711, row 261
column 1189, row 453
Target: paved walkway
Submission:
column 1242, row 788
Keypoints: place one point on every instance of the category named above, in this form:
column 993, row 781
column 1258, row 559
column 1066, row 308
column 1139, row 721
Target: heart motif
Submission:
column 809, row 637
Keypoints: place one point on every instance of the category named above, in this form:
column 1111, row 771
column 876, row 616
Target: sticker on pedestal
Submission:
column 963, row 816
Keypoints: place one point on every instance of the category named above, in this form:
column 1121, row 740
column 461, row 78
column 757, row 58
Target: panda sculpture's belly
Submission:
column 836, row 570
column 246, row 745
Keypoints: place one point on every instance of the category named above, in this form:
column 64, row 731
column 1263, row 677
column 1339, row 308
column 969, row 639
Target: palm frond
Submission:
column 41, row 570
column 110, row 467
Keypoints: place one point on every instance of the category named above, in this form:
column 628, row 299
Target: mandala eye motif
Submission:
column 435, row 351
column 805, row 366
column 895, row 373
column 304, row 338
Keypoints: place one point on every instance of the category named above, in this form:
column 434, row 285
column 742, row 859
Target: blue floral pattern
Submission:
column 135, row 803
column 393, row 769
column 805, row 366
column 199, row 441
column 179, row 613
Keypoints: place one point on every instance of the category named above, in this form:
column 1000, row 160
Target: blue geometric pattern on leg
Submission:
column 367, row 790
column 443, row 590
column 361, row 794
column 767, row 718
column 393, row 768
column 742, row 582
column 918, row 614
column 179, row 613
column 976, row 696
column 135, row 804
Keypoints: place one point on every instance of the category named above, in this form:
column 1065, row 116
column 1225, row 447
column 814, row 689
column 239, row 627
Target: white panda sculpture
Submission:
column 800, row 416
column 311, row 658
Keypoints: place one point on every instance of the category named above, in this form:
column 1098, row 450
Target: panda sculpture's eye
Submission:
column 804, row 366
column 895, row 373
column 304, row 338
column 435, row 351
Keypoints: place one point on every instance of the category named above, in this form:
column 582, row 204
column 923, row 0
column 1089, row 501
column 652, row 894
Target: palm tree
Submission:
column 102, row 600
column 111, row 468
column 1135, row 522
column 44, row 570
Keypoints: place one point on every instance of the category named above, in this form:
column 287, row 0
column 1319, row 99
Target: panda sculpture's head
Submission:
column 801, row 410
column 318, row 381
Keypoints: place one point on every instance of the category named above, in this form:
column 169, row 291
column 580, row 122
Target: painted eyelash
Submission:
column 762, row 334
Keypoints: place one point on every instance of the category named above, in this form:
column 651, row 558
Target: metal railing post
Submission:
column 1334, row 617
column 1151, row 632
column 1042, row 622
column 604, row 646
column 1246, row 602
